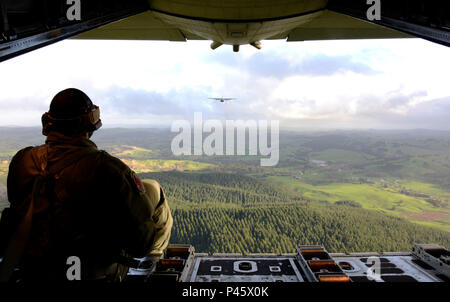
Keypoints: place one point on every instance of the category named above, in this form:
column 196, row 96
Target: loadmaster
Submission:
column 68, row 198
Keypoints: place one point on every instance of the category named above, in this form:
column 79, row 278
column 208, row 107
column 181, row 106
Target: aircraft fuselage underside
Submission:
column 27, row 25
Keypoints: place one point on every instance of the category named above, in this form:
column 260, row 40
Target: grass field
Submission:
column 143, row 160
column 381, row 198
column 126, row 151
column 3, row 171
column 156, row 165
column 426, row 188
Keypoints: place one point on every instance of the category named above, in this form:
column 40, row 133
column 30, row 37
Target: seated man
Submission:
column 70, row 199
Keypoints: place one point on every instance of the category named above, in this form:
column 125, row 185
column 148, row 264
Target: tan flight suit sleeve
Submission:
column 162, row 215
column 130, row 206
column 146, row 219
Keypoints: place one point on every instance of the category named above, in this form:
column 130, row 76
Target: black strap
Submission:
column 19, row 239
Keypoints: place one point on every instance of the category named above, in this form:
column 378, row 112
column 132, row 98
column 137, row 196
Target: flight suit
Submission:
column 94, row 207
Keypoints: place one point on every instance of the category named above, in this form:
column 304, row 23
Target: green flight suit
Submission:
column 95, row 208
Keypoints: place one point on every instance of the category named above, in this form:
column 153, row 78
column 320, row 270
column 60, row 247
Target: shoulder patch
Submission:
column 137, row 182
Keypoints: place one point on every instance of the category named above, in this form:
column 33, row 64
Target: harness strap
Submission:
column 19, row 239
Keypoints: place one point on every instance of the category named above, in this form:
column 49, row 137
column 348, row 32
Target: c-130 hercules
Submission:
column 27, row 25
column 222, row 99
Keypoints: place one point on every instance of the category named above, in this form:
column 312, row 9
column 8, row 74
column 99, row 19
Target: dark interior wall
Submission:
column 427, row 19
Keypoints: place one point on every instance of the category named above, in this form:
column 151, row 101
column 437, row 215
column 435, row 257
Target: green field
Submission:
column 381, row 198
column 125, row 151
column 426, row 188
column 143, row 160
column 155, row 165
column 3, row 172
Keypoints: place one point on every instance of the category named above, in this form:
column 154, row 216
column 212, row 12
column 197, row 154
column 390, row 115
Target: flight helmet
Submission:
column 71, row 113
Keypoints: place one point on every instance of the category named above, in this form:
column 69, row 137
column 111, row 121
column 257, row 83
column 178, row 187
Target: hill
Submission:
column 385, row 177
column 210, row 214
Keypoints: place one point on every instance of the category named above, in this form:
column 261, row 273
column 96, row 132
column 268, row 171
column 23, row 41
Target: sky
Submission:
column 351, row 84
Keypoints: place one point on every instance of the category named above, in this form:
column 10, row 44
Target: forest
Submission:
column 351, row 191
column 229, row 213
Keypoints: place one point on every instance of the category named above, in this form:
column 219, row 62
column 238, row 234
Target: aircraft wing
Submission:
column 27, row 25
column 323, row 25
column 222, row 99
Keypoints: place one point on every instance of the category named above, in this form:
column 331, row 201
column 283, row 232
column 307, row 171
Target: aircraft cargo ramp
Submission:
column 180, row 263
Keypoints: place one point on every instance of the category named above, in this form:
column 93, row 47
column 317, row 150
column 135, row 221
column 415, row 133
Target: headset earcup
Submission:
column 45, row 124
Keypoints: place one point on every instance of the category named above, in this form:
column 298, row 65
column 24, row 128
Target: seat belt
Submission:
column 19, row 238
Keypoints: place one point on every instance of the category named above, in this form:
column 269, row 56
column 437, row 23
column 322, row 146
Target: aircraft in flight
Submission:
column 222, row 100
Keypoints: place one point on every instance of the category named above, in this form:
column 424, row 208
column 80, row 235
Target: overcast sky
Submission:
column 381, row 84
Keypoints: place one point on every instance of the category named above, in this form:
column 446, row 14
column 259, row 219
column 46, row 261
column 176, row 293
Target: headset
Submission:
column 87, row 122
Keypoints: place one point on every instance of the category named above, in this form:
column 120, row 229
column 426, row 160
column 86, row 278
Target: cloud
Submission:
column 405, row 99
column 121, row 106
column 323, row 65
column 137, row 102
column 396, row 102
column 26, row 103
column 276, row 65
column 426, row 114
column 330, row 83
column 435, row 112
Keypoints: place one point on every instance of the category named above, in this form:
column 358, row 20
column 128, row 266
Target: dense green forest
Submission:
column 221, row 188
column 346, row 190
column 218, row 212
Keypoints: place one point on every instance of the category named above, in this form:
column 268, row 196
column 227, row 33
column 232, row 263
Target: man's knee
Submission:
column 162, row 217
